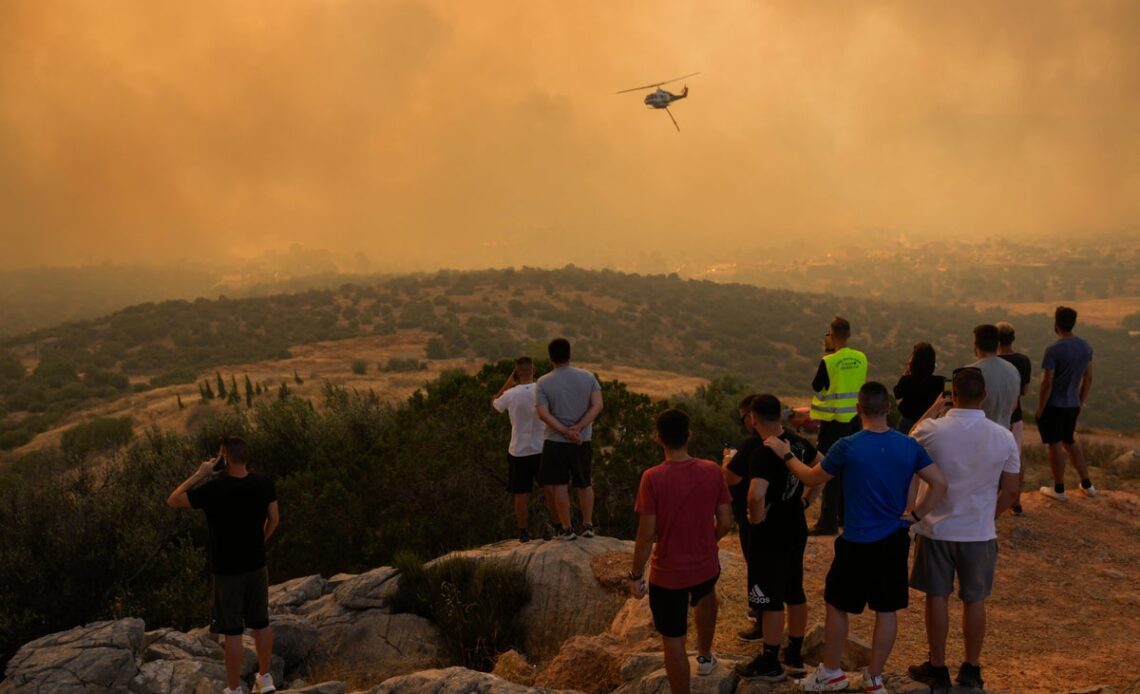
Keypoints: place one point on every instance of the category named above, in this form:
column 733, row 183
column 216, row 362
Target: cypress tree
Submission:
column 221, row 385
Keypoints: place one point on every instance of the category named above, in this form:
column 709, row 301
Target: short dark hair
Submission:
column 840, row 328
column 767, row 407
column 524, row 361
column 236, row 449
column 986, row 337
column 1066, row 318
column 746, row 403
column 1005, row 334
column 673, row 428
column 969, row 385
column 559, row 350
column 873, row 399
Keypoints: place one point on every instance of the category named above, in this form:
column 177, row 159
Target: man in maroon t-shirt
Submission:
column 685, row 508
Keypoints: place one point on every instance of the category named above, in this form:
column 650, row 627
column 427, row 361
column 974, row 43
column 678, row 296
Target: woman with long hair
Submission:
column 918, row 387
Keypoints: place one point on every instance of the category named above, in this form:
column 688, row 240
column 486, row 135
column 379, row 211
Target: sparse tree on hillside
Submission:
column 297, row 377
column 221, row 384
column 248, row 392
column 283, row 393
column 179, row 399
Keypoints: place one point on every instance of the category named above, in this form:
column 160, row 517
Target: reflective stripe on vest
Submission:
column 837, row 403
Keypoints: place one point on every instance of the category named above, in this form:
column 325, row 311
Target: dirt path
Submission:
column 1065, row 612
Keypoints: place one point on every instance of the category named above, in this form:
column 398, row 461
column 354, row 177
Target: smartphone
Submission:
column 219, row 463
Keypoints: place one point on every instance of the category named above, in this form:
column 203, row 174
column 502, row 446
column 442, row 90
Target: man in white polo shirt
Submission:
column 980, row 460
column 524, row 453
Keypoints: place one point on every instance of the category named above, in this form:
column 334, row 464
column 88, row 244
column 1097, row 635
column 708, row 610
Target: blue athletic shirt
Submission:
column 877, row 469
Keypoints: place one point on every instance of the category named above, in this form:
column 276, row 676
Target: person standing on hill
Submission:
column 876, row 466
column 958, row 535
column 1066, row 378
column 918, row 387
column 836, row 385
column 568, row 400
column 1003, row 383
column 241, row 512
column 734, row 465
column 684, row 508
column 524, row 453
column 1025, row 370
column 778, row 538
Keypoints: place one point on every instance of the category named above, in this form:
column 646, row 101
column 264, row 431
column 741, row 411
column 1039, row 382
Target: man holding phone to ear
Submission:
column 241, row 512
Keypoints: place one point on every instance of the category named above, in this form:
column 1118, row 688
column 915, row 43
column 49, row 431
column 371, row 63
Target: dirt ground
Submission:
column 1064, row 615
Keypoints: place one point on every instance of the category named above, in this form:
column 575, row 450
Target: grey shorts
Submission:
column 937, row 561
column 241, row 602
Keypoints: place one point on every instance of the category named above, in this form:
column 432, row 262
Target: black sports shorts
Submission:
column 566, row 463
column 775, row 571
column 522, row 472
column 871, row 574
column 241, row 601
column 1057, row 424
column 670, row 606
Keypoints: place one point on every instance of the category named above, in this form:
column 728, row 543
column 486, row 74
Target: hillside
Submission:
column 768, row 338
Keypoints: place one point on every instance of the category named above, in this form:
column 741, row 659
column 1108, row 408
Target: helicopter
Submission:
column 661, row 98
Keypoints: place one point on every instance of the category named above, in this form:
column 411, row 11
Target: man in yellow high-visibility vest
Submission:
column 841, row 374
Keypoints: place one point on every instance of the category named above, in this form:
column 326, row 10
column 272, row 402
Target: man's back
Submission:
column 1067, row 358
column 683, row 495
column 566, row 392
column 236, row 509
column 972, row 453
column 1003, row 388
column 527, row 429
column 877, row 470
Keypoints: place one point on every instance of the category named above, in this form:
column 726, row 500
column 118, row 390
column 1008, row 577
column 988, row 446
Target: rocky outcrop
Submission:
column 99, row 657
column 457, row 680
column 380, row 644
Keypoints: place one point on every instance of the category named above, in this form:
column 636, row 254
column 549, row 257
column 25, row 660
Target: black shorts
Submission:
column 241, row 601
column 1057, row 424
column 522, row 472
column 566, row 463
column 670, row 606
column 775, row 572
column 872, row 574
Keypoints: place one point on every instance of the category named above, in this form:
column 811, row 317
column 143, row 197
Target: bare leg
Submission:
column 705, row 614
column 676, row 664
column 586, row 504
column 882, row 641
column 1056, row 464
column 937, row 628
column 834, row 637
column 263, row 642
column 522, row 501
column 1077, row 458
column 558, row 500
column 974, row 629
column 797, row 619
column 233, row 656
column 773, row 627
column 1018, row 429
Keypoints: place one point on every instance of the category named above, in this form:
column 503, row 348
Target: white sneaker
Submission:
column 818, row 681
column 264, row 684
column 1090, row 492
column 1054, row 494
column 705, row 666
column 873, row 685
column 227, row 690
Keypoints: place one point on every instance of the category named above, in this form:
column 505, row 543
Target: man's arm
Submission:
column 937, row 486
column 723, row 520
column 757, row 509
column 550, row 421
column 591, row 414
column 1086, row 384
column 272, row 519
column 1007, row 492
column 1046, row 390
column 646, row 536
column 939, row 407
column 511, row 382
column 179, row 497
column 730, row 477
column 811, row 476
column 821, row 381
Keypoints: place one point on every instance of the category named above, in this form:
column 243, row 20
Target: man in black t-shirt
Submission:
column 734, row 464
column 776, row 544
column 241, row 512
column 1025, row 370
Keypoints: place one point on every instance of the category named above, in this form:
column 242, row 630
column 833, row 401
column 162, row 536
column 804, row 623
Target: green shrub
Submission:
column 14, row 439
column 477, row 605
column 399, row 364
column 359, row 367
column 97, row 435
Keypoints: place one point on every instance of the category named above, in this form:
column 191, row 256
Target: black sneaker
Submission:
column 587, row 530
column 524, row 536
column 1017, row 509
column 928, row 674
column 794, row 664
column 970, row 676
column 762, row 669
column 752, row 633
column 567, row 534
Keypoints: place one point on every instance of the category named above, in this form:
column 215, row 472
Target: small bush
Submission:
column 359, row 367
column 399, row 364
column 477, row 605
column 102, row 434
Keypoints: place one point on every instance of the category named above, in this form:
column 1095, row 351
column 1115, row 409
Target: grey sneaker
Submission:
column 567, row 534
column 705, row 666
column 1053, row 494
column 588, row 530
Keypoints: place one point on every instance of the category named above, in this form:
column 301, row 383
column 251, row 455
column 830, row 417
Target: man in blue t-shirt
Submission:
column 1066, row 378
column 870, row 565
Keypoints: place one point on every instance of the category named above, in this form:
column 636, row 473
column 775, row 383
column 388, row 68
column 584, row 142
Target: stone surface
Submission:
column 634, row 622
column 99, row 657
column 513, row 667
column 456, row 680
column 856, row 652
column 185, row 676
column 287, row 596
column 293, row 639
column 380, row 644
column 368, row 590
column 591, row 664
column 322, row 688
column 722, row 680
column 175, row 645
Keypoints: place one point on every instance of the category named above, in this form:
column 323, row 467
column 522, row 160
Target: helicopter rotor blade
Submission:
column 657, row 84
column 672, row 119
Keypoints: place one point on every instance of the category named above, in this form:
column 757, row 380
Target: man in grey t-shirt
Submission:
column 1003, row 382
column 568, row 400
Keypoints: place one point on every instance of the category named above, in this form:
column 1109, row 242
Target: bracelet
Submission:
column 917, row 518
column 632, row 577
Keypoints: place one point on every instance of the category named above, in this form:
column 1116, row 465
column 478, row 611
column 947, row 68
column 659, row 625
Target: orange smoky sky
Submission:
column 488, row 133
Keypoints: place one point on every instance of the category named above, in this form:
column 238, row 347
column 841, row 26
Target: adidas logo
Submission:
column 757, row 596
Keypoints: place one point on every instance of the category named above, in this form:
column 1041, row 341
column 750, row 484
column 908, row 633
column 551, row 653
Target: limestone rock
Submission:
column 368, row 590
column 99, row 657
column 856, row 652
column 293, row 638
column 589, row 663
column 183, row 676
column 324, row 611
column 566, row 598
column 287, row 596
column 634, row 622
column 513, row 667
column 175, row 645
column 322, row 688
column 380, row 644
column 456, row 680
column 722, row 680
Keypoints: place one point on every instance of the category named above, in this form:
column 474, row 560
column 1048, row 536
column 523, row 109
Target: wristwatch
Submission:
column 788, row 456
column 917, row 518
column 632, row 577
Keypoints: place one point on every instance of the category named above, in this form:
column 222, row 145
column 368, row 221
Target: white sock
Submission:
column 828, row 672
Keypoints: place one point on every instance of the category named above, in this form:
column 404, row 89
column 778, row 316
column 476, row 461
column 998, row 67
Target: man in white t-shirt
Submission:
column 980, row 460
column 516, row 398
